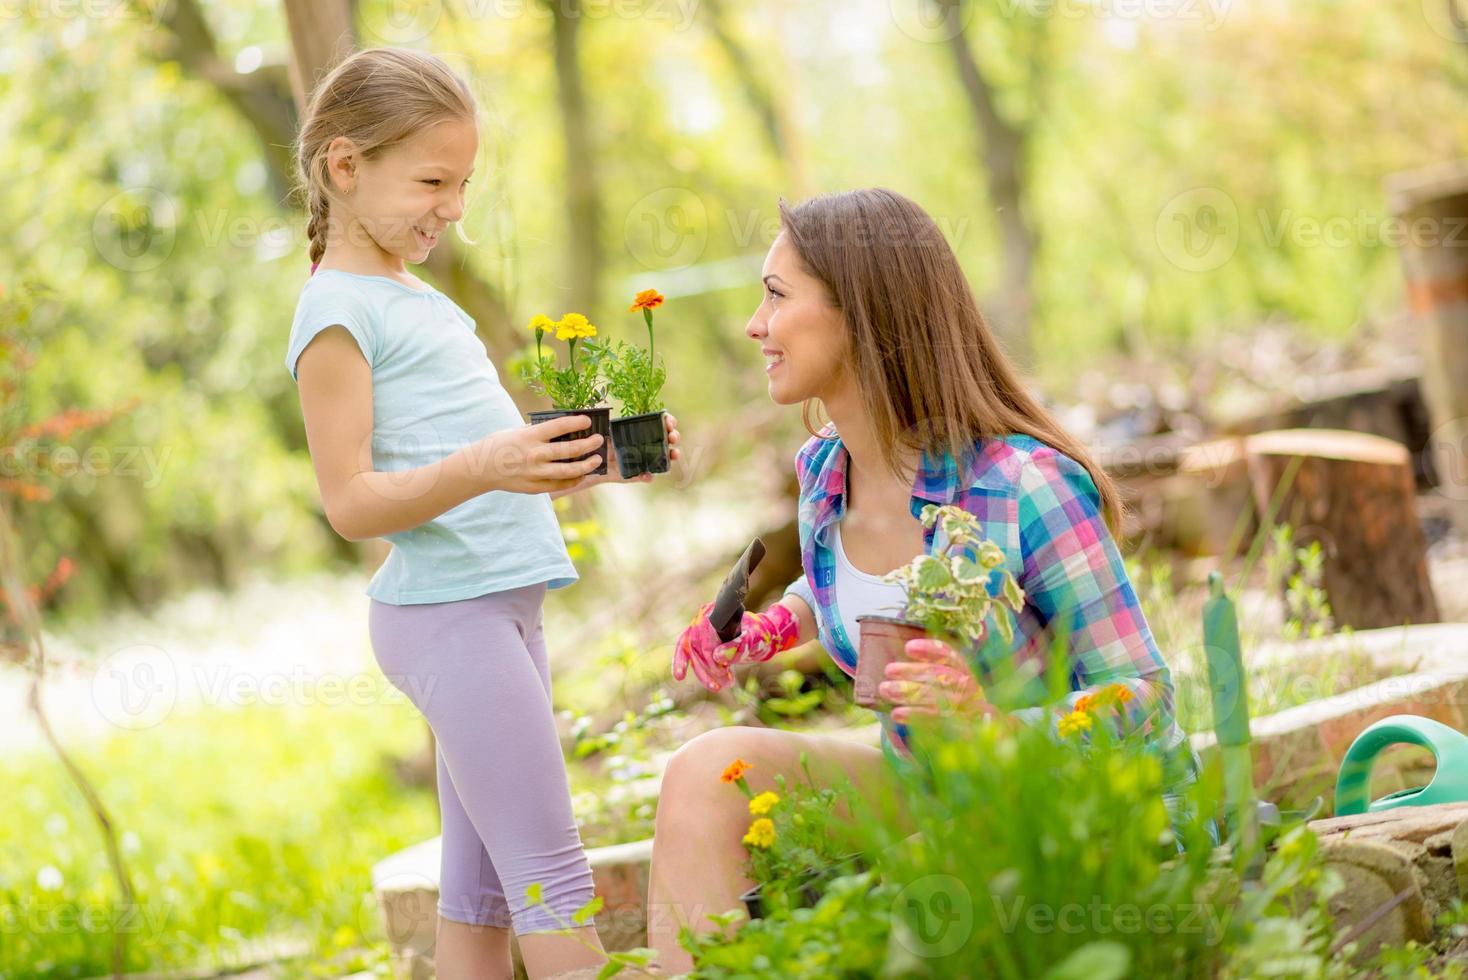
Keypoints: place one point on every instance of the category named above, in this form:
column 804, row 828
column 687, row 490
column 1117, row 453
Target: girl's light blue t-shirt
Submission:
column 435, row 391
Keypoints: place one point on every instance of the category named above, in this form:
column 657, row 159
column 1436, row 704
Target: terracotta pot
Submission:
column 601, row 422
column 883, row 640
column 642, row 444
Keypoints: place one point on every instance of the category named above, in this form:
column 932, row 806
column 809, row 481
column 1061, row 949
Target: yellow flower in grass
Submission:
column 1120, row 692
column 762, row 803
column 1076, row 721
column 735, row 771
column 574, row 326
column 540, row 323
column 761, row 833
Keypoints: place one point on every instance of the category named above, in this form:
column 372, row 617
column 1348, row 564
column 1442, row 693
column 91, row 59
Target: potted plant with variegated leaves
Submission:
column 573, row 390
column 948, row 599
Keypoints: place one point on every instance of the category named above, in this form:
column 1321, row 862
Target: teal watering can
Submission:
column 1449, row 784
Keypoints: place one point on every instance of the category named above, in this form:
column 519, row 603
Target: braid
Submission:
column 316, row 227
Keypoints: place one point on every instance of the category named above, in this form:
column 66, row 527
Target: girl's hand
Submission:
column 939, row 681
column 614, row 472
column 527, row 460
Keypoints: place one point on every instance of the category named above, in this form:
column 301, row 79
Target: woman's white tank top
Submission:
column 861, row 593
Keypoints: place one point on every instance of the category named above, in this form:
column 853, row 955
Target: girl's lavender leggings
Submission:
column 477, row 669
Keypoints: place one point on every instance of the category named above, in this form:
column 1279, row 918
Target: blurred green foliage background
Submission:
column 139, row 189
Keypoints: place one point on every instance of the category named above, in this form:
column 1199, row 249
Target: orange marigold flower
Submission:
column 735, row 771
column 648, row 299
column 1083, row 703
column 1121, row 692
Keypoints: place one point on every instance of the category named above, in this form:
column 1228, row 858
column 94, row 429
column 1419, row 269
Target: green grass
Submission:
column 237, row 825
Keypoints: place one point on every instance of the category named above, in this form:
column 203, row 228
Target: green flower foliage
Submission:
column 633, row 379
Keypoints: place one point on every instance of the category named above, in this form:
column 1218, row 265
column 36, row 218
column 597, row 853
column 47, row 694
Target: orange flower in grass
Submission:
column 1121, row 693
column 648, row 299
column 735, row 771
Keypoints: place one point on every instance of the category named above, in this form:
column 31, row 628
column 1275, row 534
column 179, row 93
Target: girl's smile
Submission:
column 404, row 198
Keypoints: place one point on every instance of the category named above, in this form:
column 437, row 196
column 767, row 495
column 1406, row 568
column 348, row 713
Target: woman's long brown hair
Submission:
column 931, row 373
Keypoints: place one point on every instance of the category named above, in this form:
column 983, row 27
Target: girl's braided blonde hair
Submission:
column 376, row 98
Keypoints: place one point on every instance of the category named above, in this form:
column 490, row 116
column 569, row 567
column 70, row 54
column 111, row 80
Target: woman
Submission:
column 865, row 308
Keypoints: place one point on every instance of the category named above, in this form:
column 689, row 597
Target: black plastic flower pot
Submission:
column 642, row 444
column 601, row 422
column 811, row 884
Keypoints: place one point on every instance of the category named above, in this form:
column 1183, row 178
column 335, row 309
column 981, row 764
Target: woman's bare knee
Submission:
column 698, row 763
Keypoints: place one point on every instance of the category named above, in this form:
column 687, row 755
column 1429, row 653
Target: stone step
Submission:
column 406, row 886
column 406, row 883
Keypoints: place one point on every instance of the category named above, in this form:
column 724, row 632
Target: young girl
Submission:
column 414, row 439
column 866, row 309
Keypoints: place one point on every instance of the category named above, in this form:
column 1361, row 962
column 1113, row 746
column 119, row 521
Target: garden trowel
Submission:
column 727, row 616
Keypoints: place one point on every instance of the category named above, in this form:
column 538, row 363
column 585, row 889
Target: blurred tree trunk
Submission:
column 775, row 122
column 583, row 202
column 1003, row 155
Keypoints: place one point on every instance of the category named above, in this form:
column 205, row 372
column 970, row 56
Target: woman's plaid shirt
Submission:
column 1043, row 509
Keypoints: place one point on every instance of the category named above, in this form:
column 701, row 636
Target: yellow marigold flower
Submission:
column 1076, row 721
column 735, row 771
column 542, row 323
column 648, row 299
column 574, row 325
column 762, row 803
column 761, row 833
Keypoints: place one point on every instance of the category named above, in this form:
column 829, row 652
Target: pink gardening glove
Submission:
column 761, row 637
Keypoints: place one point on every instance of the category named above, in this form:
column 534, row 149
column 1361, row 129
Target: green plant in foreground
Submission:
column 1037, row 857
column 633, row 380
column 634, row 376
column 948, row 592
column 577, row 386
column 794, row 843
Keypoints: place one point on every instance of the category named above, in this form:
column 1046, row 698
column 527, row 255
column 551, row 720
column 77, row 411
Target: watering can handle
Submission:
column 1448, row 746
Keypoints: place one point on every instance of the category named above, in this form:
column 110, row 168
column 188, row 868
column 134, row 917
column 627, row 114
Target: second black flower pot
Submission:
column 601, row 422
column 642, row 444
column 811, row 884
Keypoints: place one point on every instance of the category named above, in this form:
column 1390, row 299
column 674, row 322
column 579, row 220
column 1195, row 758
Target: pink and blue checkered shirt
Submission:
column 1043, row 510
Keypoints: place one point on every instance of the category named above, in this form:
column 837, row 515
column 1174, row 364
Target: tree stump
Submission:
column 1354, row 494
column 1219, row 468
column 1431, row 203
column 1401, row 868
